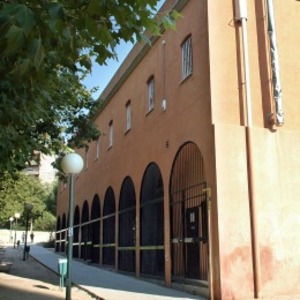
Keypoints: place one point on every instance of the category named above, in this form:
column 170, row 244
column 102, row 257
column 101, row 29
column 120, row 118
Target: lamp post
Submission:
column 28, row 208
column 11, row 219
column 33, row 216
column 17, row 216
column 71, row 164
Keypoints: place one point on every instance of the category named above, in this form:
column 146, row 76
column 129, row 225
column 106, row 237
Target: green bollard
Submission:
column 62, row 269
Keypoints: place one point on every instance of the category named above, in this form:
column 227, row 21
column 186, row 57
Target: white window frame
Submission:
column 111, row 133
column 98, row 148
column 187, row 57
column 151, row 93
column 128, row 115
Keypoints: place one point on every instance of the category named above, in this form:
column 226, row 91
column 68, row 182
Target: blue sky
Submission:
column 101, row 75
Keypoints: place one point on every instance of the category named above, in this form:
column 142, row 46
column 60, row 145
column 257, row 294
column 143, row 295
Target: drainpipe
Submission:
column 210, row 257
column 241, row 17
column 277, row 92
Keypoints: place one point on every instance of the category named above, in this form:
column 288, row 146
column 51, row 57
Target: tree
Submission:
column 19, row 189
column 46, row 223
column 50, row 200
column 46, row 50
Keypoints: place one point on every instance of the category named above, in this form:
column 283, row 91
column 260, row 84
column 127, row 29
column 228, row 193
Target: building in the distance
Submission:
column 193, row 180
column 41, row 167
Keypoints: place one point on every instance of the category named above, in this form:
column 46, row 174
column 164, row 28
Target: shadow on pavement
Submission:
column 28, row 280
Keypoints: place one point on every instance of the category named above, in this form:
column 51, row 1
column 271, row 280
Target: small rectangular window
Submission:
column 187, row 57
column 151, row 93
column 98, row 148
column 111, row 133
column 128, row 116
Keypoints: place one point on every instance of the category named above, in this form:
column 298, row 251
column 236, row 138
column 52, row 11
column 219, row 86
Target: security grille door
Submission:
column 58, row 235
column 188, row 208
column 192, row 242
column 95, row 230
column 127, row 226
column 76, row 232
column 85, row 232
column 152, row 223
column 64, row 234
column 108, row 251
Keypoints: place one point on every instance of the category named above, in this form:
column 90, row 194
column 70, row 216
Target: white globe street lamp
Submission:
column 17, row 216
column 71, row 164
column 11, row 219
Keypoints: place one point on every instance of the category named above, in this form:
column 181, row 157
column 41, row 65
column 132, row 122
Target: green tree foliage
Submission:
column 46, row 50
column 50, row 200
column 46, row 223
column 17, row 190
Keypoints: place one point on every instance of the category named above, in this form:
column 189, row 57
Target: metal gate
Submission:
column 76, row 232
column 109, row 209
column 95, row 230
column 152, row 223
column 64, row 233
column 127, row 226
column 189, row 222
column 85, row 232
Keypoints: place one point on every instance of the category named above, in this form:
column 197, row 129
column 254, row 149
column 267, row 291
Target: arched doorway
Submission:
column 63, row 233
column 58, row 235
column 109, row 209
column 76, row 232
column 188, row 207
column 152, row 222
column 127, row 226
column 85, row 232
column 95, row 229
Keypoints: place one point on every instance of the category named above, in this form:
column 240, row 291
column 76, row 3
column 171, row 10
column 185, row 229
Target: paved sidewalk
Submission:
column 109, row 285
column 30, row 280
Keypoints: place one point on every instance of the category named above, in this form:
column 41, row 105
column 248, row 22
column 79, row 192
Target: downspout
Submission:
column 277, row 92
column 241, row 17
column 209, row 234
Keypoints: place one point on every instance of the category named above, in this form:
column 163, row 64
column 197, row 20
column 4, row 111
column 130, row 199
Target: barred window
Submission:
column 151, row 93
column 111, row 133
column 187, row 57
column 98, row 148
column 128, row 116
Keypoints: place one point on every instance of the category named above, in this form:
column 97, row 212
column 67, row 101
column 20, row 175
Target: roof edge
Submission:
column 135, row 56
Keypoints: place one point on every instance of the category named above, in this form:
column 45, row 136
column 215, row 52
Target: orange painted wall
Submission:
column 155, row 136
column 209, row 109
column 276, row 162
column 188, row 112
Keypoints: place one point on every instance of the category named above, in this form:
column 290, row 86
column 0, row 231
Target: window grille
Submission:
column 111, row 133
column 128, row 116
column 151, row 93
column 187, row 57
column 98, row 148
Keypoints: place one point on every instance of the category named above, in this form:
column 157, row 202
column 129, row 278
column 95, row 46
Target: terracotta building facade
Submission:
column 195, row 179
